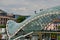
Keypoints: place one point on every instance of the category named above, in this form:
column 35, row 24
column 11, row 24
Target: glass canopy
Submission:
column 34, row 23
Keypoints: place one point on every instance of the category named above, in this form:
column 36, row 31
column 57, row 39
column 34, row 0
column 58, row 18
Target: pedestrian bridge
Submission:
column 35, row 23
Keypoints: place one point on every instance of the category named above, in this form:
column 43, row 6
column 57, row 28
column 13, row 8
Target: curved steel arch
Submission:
column 36, row 22
column 40, row 22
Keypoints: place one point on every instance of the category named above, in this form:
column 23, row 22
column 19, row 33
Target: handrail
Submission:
column 23, row 35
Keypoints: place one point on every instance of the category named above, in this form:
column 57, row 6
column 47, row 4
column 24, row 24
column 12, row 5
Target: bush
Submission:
column 58, row 27
column 20, row 19
column 2, row 26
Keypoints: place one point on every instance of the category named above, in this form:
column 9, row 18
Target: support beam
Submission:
column 40, row 35
column 23, row 35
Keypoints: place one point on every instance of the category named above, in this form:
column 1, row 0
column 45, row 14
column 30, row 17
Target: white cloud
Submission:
column 13, row 2
column 27, row 6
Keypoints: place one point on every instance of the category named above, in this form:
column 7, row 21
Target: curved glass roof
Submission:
column 34, row 23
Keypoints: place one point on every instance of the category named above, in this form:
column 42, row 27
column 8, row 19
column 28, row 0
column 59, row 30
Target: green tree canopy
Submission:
column 58, row 27
column 2, row 26
column 20, row 19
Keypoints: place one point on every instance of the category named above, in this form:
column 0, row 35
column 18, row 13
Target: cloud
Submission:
column 13, row 2
column 27, row 7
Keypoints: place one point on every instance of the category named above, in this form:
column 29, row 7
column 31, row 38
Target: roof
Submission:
column 34, row 23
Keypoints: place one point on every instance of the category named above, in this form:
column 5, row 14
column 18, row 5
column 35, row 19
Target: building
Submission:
column 42, row 26
column 3, row 35
column 4, row 17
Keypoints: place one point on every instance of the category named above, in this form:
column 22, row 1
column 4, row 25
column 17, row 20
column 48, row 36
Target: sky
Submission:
column 27, row 7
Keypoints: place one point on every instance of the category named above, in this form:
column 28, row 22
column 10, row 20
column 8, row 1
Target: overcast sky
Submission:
column 26, row 7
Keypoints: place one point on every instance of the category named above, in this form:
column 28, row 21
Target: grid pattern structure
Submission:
column 36, row 22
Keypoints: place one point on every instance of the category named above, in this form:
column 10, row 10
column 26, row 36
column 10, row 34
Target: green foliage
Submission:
column 58, row 37
column 20, row 19
column 58, row 27
column 2, row 26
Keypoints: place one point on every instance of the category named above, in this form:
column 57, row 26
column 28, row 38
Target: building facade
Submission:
column 3, row 34
column 4, row 17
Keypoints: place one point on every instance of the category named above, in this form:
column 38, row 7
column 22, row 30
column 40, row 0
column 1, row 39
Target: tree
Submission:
column 20, row 19
column 2, row 26
column 58, row 27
